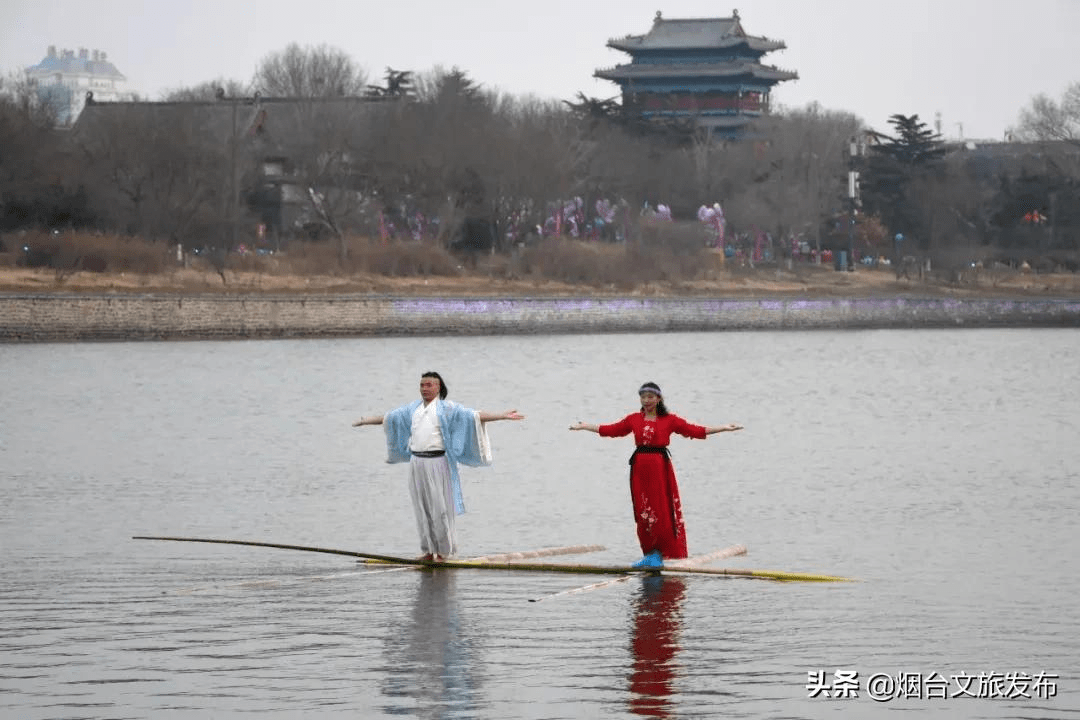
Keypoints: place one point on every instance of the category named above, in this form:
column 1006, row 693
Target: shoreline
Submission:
column 38, row 305
column 88, row 317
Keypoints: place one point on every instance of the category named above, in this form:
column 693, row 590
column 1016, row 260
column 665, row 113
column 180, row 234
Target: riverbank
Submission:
column 115, row 317
column 38, row 306
column 802, row 281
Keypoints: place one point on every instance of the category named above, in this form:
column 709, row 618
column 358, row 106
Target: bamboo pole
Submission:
column 707, row 557
column 524, row 554
column 583, row 588
column 685, row 562
column 521, row 566
column 620, row 570
column 282, row 546
column 542, row 552
column 388, row 559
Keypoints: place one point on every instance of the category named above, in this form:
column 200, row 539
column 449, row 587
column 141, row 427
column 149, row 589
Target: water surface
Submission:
column 939, row 468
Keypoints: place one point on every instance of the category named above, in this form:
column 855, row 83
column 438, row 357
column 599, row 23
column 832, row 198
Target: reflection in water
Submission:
column 657, row 622
column 430, row 660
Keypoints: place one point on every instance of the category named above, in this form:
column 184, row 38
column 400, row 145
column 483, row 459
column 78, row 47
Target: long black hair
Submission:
column 442, row 383
column 661, row 408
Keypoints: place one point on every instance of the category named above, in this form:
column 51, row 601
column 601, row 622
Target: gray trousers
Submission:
column 433, row 504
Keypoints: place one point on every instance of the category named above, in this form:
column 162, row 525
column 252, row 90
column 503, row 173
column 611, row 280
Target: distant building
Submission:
column 703, row 69
column 63, row 79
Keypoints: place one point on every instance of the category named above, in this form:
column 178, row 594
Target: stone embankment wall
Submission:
column 59, row 318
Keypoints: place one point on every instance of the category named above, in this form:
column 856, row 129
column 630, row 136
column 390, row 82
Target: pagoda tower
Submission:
column 707, row 70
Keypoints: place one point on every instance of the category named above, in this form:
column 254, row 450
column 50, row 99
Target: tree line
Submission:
column 313, row 150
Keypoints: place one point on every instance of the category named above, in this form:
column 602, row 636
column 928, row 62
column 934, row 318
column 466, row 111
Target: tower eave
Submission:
column 629, row 73
column 636, row 45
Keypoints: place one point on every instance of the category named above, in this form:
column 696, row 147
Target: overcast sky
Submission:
column 976, row 62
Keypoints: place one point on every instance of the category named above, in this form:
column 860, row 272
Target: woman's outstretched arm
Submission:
column 730, row 427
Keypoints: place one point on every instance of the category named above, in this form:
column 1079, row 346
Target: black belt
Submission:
column 428, row 453
column 649, row 450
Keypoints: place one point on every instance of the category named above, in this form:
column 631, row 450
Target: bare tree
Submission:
column 309, row 72
column 807, row 177
column 35, row 178
column 437, row 152
column 210, row 90
column 1056, row 125
column 318, row 115
column 789, row 176
column 24, row 129
column 19, row 94
column 541, row 156
column 1046, row 119
column 156, row 170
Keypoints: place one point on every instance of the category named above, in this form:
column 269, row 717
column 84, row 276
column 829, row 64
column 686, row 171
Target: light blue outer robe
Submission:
column 462, row 433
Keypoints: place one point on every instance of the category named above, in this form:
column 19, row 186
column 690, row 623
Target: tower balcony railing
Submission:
column 690, row 103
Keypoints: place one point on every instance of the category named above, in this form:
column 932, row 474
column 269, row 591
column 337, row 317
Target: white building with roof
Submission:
column 64, row 78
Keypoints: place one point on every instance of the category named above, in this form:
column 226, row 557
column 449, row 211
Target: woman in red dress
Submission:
column 653, row 489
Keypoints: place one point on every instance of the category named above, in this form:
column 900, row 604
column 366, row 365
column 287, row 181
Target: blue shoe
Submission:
column 650, row 561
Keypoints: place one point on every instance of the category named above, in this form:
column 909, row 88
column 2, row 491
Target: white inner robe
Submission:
column 433, row 505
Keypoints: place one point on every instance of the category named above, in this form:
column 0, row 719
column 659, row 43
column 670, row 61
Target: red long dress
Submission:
column 653, row 489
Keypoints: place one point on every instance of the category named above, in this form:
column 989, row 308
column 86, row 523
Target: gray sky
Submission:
column 976, row 62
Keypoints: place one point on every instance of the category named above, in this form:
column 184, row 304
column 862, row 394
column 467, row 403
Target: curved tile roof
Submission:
column 647, row 71
column 694, row 34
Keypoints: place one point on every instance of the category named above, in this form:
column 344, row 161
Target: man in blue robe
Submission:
column 434, row 435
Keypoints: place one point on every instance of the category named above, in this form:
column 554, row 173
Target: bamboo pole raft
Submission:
column 685, row 562
column 520, row 566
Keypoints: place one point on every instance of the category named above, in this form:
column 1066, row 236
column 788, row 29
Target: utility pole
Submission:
column 234, row 190
column 233, row 202
column 853, row 198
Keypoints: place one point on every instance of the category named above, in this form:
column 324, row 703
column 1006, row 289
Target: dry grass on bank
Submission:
column 552, row 267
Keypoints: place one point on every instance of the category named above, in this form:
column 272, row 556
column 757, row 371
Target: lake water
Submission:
column 938, row 468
